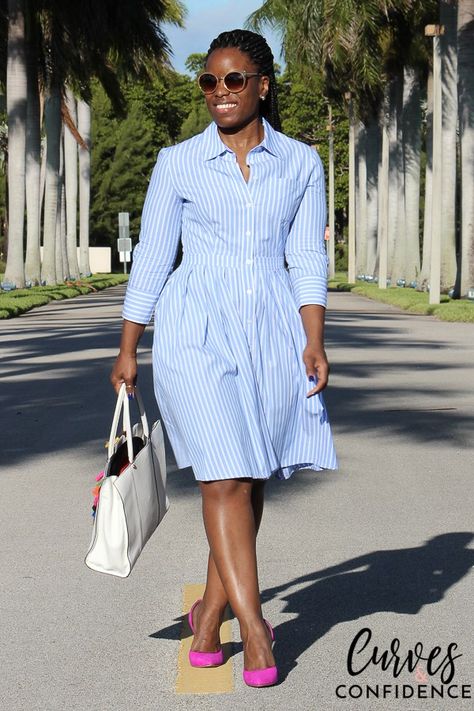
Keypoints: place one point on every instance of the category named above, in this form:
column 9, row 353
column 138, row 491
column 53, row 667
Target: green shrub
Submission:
column 415, row 302
column 14, row 303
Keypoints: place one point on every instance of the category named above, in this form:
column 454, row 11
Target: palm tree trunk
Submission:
column 383, row 190
column 331, row 190
column 372, row 146
column 16, row 110
column 435, row 262
column 44, row 150
column 448, row 18
column 62, row 270
column 361, row 210
column 70, row 175
column 352, row 202
column 33, row 169
column 84, row 128
column 466, row 128
column 393, row 175
column 412, row 155
column 400, row 243
column 427, row 223
column 53, row 135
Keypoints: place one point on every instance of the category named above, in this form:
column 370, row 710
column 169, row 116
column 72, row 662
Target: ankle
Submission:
column 253, row 627
column 213, row 608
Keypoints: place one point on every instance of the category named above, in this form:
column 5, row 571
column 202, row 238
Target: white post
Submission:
column 124, row 243
column 436, row 215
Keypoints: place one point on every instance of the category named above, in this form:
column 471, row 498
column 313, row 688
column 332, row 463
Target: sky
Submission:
column 205, row 20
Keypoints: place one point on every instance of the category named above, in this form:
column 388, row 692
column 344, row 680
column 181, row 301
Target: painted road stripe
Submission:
column 217, row 680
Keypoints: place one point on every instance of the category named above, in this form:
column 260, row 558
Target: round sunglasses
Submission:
column 235, row 82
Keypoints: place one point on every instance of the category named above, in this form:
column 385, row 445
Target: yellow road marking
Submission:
column 191, row 680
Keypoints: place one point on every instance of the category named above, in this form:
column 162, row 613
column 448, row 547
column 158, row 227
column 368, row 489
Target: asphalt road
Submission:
column 385, row 543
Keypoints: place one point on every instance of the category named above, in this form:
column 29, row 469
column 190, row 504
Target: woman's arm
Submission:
column 125, row 366
column 314, row 355
column 155, row 253
column 307, row 261
column 153, row 259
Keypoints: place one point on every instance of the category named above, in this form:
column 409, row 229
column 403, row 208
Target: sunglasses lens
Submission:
column 207, row 83
column 234, row 81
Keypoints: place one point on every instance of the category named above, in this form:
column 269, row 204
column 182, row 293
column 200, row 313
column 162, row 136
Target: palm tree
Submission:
column 426, row 258
column 373, row 160
column 466, row 130
column 49, row 273
column 16, row 110
column 84, row 127
column 108, row 40
column 411, row 126
column 70, row 178
column 355, row 45
column 33, row 155
column 448, row 42
column 361, row 200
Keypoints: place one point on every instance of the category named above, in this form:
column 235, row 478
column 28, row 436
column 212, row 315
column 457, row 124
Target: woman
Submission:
column 238, row 354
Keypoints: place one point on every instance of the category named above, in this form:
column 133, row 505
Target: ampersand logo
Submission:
column 421, row 676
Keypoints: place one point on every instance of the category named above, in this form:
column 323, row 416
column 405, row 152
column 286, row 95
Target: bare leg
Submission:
column 209, row 614
column 231, row 531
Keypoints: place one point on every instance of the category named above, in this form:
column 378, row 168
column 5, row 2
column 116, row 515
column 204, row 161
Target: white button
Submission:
column 249, row 261
column 249, row 291
column 248, row 233
column 249, row 204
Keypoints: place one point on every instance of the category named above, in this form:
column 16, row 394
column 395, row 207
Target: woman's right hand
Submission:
column 124, row 371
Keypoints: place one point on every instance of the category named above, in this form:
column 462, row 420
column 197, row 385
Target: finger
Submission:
column 319, row 375
column 313, row 381
column 323, row 376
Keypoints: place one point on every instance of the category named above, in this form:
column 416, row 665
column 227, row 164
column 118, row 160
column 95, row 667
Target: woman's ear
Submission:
column 264, row 87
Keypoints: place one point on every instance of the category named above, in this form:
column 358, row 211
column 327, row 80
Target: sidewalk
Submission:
column 385, row 543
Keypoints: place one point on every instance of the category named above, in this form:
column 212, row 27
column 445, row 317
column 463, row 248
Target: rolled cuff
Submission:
column 310, row 290
column 138, row 306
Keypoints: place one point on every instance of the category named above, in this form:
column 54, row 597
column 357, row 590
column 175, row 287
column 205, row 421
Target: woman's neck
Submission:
column 243, row 138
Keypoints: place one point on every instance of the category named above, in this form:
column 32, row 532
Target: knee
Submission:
column 226, row 490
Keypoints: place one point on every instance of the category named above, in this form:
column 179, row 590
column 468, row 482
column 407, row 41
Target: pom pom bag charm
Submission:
column 132, row 498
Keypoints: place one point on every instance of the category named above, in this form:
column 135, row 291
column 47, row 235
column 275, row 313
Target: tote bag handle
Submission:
column 123, row 403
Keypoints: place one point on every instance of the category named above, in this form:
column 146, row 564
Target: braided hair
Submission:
column 256, row 47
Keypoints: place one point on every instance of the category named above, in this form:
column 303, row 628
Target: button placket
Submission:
column 250, row 276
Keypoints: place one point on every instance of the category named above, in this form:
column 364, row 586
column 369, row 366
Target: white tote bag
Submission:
column 131, row 504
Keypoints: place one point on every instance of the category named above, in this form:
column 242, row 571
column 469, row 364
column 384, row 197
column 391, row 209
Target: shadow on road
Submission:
column 55, row 378
column 400, row 581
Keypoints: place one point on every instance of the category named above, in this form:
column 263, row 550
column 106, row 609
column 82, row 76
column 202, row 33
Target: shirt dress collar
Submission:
column 214, row 146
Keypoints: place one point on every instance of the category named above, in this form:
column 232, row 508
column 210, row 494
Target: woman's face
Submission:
column 232, row 111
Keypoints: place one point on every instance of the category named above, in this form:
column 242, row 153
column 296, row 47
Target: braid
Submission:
column 261, row 55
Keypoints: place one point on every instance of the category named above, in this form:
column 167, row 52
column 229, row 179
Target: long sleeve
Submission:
column 305, row 252
column 155, row 253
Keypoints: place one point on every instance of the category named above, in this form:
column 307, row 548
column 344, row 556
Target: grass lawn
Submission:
column 415, row 302
column 16, row 302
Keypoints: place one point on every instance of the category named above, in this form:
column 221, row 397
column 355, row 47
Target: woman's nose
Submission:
column 221, row 89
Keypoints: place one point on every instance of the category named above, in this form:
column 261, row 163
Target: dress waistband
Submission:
column 230, row 260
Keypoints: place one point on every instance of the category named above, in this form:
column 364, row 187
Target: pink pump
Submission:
column 203, row 659
column 262, row 677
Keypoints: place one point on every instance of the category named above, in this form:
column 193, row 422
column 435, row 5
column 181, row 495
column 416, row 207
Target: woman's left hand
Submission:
column 317, row 367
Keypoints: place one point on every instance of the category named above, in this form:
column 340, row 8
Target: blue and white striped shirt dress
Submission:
column 229, row 377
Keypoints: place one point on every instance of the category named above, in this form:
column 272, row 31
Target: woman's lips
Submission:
column 225, row 108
